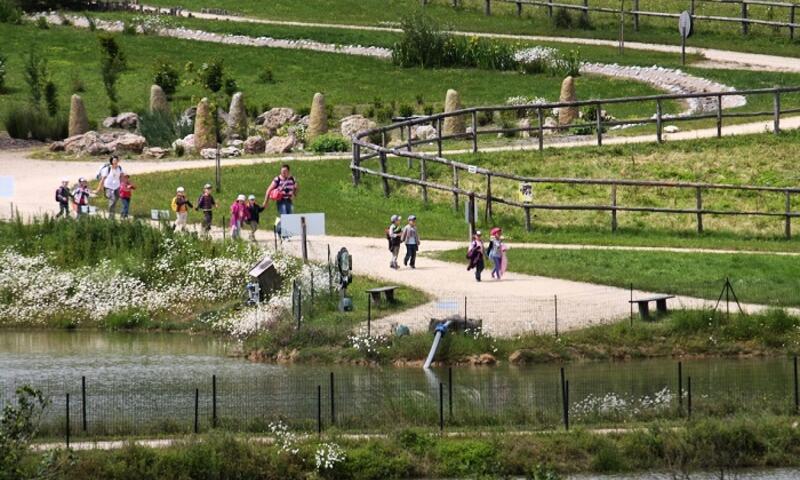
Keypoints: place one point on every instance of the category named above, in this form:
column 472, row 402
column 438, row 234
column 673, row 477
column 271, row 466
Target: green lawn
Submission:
column 763, row 279
column 347, row 81
column 534, row 21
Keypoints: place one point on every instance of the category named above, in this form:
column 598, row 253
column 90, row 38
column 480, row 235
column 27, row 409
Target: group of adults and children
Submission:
column 113, row 183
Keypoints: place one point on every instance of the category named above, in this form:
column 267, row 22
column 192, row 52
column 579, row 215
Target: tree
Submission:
column 51, row 98
column 36, row 76
column 112, row 64
column 166, row 76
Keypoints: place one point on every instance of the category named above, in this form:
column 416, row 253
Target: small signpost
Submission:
column 685, row 29
column 303, row 225
column 526, row 192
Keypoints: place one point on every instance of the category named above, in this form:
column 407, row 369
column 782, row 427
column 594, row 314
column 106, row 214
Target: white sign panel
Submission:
column 291, row 224
column 6, row 187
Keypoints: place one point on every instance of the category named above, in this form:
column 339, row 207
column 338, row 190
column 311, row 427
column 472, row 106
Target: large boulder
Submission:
column 424, row 132
column 93, row 143
column 526, row 124
column 78, row 121
column 318, row 123
column 567, row 115
column 125, row 120
column 156, row 152
column 354, row 124
column 129, row 142
column 254, row 144
column 209, row 153
column 453, row 125
column 279, row 145
column 158, row 100
column 229, row 151
column 237, row 117
column 204, row 131
column 186, row 143
column 272, row 120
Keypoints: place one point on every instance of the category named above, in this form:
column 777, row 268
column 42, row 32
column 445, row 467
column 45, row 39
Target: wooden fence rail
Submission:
column 364, row 150
column 744, row 18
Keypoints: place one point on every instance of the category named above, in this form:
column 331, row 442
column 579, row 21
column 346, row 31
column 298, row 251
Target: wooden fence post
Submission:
column 550, row 8
column 488, row 198
column 439, row 137
column 719, row 116
column 599, row 126
column 613, row 207
column 519, row 9
column 528, row 226
column 410, row 146
column 488, row 8
column 455, row 186
column 776, row 111
column 788, row 225
column 636, row 15
column 474, row 131
column 791, row 21
column 383, row 171
column 745, row 22
column 699, row 203
column 585, row 12
column 658, row 121
column 540, row 117
column 691, row 10
column 356, row 163
column 423, row 176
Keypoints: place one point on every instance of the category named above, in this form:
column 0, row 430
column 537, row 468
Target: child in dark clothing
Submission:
column 62, row 197
column 206, row 204
column 254, row 210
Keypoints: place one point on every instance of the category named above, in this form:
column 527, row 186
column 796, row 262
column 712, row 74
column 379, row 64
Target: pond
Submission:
column 142, row 383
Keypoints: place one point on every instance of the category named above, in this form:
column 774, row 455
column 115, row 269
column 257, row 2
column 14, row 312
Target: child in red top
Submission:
column 126, row 189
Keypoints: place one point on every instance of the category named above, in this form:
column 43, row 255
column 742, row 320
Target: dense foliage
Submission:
column 31, row 123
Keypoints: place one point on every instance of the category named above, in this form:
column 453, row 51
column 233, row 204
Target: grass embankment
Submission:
column 326, row 187
column 347, row 81
column 715, row 445
column 763, row 279
column 534, row 21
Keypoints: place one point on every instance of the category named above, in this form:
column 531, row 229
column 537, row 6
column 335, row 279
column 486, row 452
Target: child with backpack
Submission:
column 62, row 197
column 239, row 216
column 181, row 205
column 80, row 197
column 411, row 239
column 253, row 212
column 393, row 234
column 475, row 255
column 206, row 204
column 126, row 189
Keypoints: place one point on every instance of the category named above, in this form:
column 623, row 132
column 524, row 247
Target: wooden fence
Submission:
column 744, row 18
column 372, row 144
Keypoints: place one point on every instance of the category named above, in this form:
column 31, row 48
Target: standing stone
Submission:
column 204, row 132
column 237, row 117
column 566, row 115
column 318, row 123
column 78, row 121
column 453, row 125
column 158, row 100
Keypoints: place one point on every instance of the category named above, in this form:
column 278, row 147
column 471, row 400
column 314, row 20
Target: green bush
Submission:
column 562, row 19
column 51, row 98
column 266, row 75
column 166, row 76
column 127, row 319
column 159, row 128
column 32, row 123
column 112, row 64
column 10, row 13
column 42, row 24
column 77, row 85
column 329, row 142
column 210, row 75
column 36, row 75
column 406, row 110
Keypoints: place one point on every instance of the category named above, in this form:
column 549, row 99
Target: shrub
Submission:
column 406, row 110
column 10, row 13
column 160, row 129
column 77, row 85
column 420, row 99
column 166, row 76
column 568, row 63
column 385, row 114
column 210, row 75
column 3, row 63
column 329, row 142
column 127, row 319
column 51, row 97
column 303, row 111
column 230, row 87
column 562, row 19
column 31, row 123
column 427, row 110
column 112, row 64
column 266, row 75
column 42, row 24
column 36, row 74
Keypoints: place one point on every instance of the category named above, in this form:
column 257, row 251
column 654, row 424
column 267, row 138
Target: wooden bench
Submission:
column 644, row 304
column 388, row 292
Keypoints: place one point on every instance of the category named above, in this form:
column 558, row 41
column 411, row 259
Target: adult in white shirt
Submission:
column 110, row 181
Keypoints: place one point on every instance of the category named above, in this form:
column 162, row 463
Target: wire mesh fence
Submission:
column 541, row 397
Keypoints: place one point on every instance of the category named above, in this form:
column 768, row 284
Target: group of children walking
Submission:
column 408, row 235
column 79, row 194
column 245, row 211
column 496, row 253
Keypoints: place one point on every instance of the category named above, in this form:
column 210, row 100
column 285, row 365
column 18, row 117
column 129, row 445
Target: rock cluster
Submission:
column 278, row 145
column 254, row 144
column 93, row 143
column 354, row 124
column 125, row 121
column 274, row 119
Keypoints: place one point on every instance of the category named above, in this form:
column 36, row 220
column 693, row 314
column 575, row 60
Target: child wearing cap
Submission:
column 393, row 233
column 496, row 252
column 239, row 215
column 410, row 237
column 181, row 206
column 80, row 197
column 253, row 211
column 206, row 204
column 475, row 255
column 126, row 189
column 62, row 197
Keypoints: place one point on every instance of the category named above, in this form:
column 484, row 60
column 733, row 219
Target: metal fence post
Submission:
column 585, row 12
column 631, row 304
column 450, row 390
column 213, row 401
column 67, row 420
column 83, row 402
column 564, row 399
column 550, row 8
column 555, row 312
column 333, row 403
column 680, row 386
column 689, row 395
column 519, row 9
column 796, row 389
column 319, row 410
column 441, row 402
column 465, row 312
column 196, row 410
column 369, row 314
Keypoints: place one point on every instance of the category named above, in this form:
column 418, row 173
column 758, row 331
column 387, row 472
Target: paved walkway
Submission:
column 714, row 58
